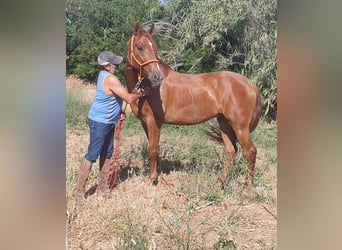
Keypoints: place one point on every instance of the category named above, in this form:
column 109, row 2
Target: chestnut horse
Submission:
column 186, row 99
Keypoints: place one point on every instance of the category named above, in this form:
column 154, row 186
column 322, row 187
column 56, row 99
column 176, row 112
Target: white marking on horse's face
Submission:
column 158, row 66
column 150, row 43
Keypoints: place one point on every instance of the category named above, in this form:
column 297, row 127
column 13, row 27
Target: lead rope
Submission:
column 114, row 174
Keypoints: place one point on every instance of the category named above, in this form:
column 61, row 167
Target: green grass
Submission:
column 76, row 109
column 198, row 162
column 265, row 135
column 187, row 149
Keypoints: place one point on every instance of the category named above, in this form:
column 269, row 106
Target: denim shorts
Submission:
column 101, row 140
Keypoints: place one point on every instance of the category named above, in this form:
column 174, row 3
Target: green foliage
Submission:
column 261, row 61
column 97, row 25
column 193, row 37
column 228, row 35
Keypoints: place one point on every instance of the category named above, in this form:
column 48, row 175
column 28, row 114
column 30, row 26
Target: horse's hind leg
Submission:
column 249, row 151
column 229, row 141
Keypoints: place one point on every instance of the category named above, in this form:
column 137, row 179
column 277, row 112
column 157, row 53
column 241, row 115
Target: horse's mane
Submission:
column 164, row 64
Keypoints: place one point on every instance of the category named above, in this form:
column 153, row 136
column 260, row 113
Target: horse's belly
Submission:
column 191, row 114
column 187, row 106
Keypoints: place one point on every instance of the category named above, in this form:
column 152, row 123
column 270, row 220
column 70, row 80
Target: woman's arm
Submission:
column 113, row 84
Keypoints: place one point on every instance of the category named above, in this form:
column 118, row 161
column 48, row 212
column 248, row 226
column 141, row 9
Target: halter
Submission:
column 141, row 65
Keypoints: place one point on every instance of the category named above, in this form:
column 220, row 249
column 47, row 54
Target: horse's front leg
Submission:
column 153, row 134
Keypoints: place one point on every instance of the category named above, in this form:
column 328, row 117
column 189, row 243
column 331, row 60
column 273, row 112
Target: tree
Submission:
column 193, row 36
column 96, row 25
column 238, row 35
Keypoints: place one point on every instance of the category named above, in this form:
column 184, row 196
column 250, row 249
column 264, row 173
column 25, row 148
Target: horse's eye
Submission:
column 140, row 48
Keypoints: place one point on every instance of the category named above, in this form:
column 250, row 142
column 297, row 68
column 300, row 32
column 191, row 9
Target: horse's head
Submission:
column 142, row 55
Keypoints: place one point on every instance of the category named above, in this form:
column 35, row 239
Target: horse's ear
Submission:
column 151, row 29
column 137, row 28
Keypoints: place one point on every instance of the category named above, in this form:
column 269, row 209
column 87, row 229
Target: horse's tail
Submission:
column 257, row 111
column 214, row 133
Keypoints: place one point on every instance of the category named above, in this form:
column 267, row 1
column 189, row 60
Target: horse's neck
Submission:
column 131, row 74
column 165, row 68
column 130, row 77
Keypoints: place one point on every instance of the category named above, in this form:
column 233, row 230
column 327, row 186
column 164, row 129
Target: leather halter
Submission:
column 141, row 65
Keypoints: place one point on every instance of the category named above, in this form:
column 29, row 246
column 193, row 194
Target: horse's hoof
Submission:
column 248, row 183
column 220, row 183
column 79, row 199
column 152, row 181
column 148, row 182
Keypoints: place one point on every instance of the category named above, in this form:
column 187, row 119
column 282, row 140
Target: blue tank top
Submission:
column 106, row 108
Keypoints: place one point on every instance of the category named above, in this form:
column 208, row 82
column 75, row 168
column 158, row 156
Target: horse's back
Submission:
column 233, row 86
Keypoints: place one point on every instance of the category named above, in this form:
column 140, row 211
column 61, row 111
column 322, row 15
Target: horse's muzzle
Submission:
column 156, row 79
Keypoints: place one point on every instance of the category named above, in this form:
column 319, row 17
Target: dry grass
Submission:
column 87, row 89
column 186, row 210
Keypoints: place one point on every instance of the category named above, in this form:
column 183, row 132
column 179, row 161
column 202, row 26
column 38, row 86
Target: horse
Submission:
column 188, row 99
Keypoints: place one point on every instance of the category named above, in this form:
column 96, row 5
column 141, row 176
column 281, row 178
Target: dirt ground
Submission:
column 163, row 216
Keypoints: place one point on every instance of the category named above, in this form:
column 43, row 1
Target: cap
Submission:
column 107, row 57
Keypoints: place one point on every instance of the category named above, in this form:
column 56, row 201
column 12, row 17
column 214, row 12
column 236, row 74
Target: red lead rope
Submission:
column 114, row 174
